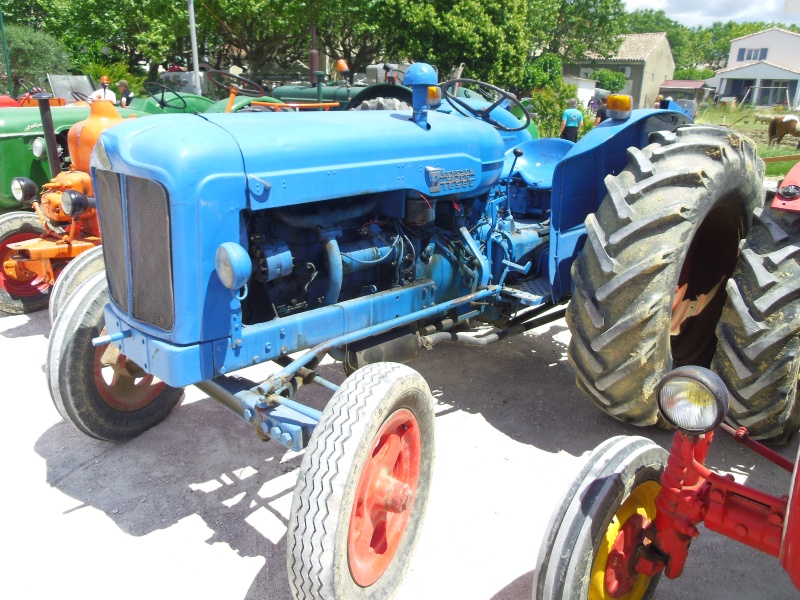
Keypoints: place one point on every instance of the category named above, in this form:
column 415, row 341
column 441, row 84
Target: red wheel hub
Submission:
column 620, row 576
column 15, row 280
column 124, row 387
column 384, row 498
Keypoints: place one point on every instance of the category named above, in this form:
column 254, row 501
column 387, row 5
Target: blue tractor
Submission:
column 370, row 236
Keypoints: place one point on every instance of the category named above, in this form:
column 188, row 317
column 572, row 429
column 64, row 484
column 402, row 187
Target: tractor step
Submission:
column 532, row 292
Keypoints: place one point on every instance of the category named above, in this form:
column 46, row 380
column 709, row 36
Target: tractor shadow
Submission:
column 524, row 387
column 201, row 461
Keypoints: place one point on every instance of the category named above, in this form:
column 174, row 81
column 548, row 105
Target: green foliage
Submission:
column 115, row 72
column 584, row 27
column 489, row 37
column 32, row 54
column 613, row 81
column 549, row 104
column 256, row 33
column 545, row 70
column 693, row 73
column 352, row 31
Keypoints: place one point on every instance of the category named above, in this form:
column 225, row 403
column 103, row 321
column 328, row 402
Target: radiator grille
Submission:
column 150, row 254
column 110, row 198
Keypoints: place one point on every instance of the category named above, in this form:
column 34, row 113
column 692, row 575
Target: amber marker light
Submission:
column 618, row 106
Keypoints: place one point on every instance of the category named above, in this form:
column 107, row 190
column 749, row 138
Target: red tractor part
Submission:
column 787, row 196
column 692, row 494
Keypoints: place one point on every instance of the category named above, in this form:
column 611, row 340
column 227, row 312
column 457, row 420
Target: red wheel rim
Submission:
column 384, row 498
column 122, row 386
column 24, row 283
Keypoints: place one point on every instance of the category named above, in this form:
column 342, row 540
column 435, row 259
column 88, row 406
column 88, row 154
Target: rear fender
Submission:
column 579, row 187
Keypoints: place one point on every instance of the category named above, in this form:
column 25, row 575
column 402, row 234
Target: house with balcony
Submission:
column 763, row 69
column 644, row 58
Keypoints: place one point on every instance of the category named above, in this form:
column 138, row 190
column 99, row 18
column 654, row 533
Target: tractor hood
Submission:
column 295, row 158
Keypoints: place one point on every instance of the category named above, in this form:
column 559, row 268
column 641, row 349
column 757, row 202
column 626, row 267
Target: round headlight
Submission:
column 233, row 265
column 38, row 147
column 73, row 203
column 693, row 399
column 23, row 189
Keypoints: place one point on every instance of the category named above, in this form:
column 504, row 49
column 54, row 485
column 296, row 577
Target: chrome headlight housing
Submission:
column 233, row 265
column 39, row 147
column 23, row 189
column 74, row 204
column 693, row 399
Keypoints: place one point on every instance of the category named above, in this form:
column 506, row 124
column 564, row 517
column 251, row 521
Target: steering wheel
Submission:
column 488, row 91
column 155, row 89
column 238, row 85
column 80, row 96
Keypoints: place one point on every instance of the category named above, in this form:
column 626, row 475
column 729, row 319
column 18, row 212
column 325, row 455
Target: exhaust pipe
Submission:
column 43, row 98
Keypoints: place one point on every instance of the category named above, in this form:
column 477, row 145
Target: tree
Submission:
column 653, row 21
column 489, row 37
column 33, row 54
column 693, row 73
column 549, row 104
column 584, row 27
column 31, row 13
column 545, row 70
column 130, row 31
column 606, row 79
column 349, row 30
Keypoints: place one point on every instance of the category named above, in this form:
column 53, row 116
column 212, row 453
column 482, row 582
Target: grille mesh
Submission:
column 151, row 258
column 110, row 199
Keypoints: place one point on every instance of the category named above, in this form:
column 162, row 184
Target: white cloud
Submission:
column 691, row 13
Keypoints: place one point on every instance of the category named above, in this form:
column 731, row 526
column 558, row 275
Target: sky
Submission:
column 692, row 13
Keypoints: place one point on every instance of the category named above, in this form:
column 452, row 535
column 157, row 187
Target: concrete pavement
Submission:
column 197, row 507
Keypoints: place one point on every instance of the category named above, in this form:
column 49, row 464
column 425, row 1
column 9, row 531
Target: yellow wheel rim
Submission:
column 641, row 501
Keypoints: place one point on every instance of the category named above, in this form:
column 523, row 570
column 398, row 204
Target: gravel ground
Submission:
column 197, row 507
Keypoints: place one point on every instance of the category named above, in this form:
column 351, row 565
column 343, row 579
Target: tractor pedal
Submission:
column 531, row 292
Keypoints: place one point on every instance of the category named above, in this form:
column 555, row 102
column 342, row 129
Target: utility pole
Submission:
column 195, row 61
column 5, row 53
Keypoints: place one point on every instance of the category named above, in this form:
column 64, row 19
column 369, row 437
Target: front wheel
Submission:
column 590, row 546
column 363, row 487
column 650, row 281
column 98, row 390
column 78, row 270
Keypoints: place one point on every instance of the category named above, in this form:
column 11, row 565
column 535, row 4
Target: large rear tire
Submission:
column 610, row 501
column 21, row 291
column 650, row 282
column 78, row 270
column 111, row 402
column 759, row 333
column 363, row 487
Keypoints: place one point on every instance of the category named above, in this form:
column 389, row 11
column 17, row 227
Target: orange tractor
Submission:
column 36, row 247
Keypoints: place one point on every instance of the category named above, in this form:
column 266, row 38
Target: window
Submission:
column 751, row 54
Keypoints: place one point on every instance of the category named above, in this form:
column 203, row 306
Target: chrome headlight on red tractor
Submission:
column 693, row 399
